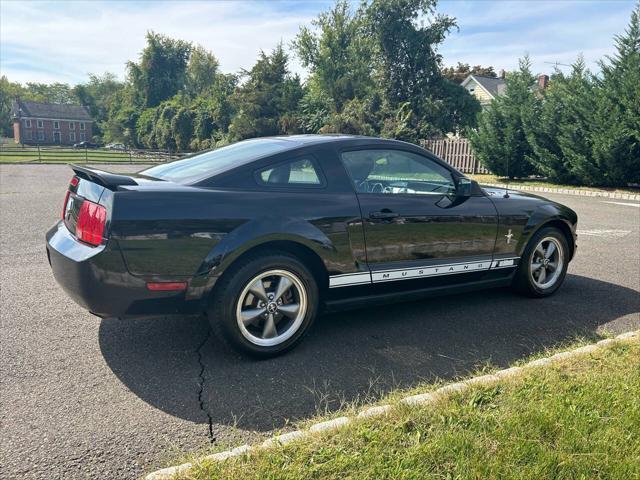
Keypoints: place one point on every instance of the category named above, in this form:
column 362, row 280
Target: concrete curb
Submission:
column 568, row 191
column 421, row 399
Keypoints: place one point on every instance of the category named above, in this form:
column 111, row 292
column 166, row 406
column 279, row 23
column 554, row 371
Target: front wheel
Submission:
column 265, row 304
column 543, row 266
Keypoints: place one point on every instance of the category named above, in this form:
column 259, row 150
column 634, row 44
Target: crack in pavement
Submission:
column 212, row 439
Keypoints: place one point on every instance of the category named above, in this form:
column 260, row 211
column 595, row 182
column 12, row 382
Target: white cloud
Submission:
column 66, row 41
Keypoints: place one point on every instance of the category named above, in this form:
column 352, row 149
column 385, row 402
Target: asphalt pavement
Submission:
column 85, row 398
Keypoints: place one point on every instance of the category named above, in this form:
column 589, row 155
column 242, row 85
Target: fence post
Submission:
column 86, row 154
column 130, row 158
column 39, row 157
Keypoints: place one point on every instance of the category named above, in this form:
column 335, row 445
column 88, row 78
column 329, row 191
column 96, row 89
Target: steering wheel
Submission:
column 376, row 188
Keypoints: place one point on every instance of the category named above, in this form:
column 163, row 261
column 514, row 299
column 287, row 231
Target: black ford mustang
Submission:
column 263, row 233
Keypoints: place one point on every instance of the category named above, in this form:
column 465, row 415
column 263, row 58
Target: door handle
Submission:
column 384, row 213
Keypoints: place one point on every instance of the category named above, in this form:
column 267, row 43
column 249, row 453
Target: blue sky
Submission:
column 66, row 40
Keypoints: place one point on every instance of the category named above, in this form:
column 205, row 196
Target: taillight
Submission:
column 64, row 205
column 72, row 183
column 91, row 221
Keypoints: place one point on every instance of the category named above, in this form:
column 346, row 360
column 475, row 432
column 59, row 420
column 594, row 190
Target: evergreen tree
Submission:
column 500, row 141
column 617, row 125
column 267, row 101
column 560, row 131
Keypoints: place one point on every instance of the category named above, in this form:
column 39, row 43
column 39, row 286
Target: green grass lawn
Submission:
column 576, row 419
column 487, row 178
column 52, row 154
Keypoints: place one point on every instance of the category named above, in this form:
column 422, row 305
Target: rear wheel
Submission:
column 543, row 266
column 265, row 304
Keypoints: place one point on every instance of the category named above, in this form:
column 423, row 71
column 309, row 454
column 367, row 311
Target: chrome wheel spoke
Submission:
column 290, row 310
column 550, row 249
column 284, row 284
column 250, row 315
column 269, row 330
column 257, row 289
column 542, row 276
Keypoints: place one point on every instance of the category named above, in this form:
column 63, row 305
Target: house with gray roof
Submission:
column 483, row 88
column 50, row 123
column 486, row 89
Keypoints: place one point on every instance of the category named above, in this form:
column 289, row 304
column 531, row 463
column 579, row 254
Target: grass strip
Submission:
column 578, row 418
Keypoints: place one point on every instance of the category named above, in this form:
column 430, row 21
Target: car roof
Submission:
column 303, row 140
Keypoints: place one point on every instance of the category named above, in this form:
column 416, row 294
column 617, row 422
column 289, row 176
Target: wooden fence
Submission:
column 456, row 152
column 56, row 154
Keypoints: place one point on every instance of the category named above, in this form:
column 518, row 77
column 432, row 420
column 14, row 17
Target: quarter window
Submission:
column 397, row 172
column 296, row 173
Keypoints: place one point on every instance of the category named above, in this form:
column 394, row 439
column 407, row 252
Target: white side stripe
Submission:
column 350, row 279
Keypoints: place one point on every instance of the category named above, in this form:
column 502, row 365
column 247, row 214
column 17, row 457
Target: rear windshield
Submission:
column 214, row 162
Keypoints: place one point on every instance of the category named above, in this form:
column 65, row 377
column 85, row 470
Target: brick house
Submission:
column 50, row 123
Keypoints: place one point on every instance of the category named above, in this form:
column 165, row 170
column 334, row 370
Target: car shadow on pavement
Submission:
column 174, row 364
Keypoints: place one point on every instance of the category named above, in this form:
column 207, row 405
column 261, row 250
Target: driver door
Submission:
column 414, row 224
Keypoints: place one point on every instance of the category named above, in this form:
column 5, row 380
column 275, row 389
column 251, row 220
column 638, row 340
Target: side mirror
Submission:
column 464, row 187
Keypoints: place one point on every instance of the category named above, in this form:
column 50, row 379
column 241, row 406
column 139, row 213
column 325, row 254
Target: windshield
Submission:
column 214, row 162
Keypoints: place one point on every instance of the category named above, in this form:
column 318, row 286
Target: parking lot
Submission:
column 85, row 398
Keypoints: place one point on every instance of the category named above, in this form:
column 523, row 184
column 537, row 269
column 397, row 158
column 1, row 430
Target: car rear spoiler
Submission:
column 109, row 180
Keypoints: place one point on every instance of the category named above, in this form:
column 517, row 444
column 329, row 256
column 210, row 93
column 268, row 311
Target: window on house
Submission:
column 40, row 123
column 296, row 173
column 81, row 125
column 27, row 123
column 72, row 136
column 41, row 136
column 56, row 125
column 72, row 125
column 29, row 135
column 83, row 136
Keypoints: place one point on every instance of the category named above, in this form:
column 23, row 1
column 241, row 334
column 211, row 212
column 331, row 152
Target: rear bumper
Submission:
column 96, row 278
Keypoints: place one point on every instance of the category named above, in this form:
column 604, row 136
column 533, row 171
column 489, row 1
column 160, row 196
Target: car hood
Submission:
column 500, row 192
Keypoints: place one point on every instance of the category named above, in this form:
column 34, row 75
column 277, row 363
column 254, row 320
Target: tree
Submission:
column 161, row 71
column 9, row 91
column 338, row 53
column 617, row 125
column 98, row 95
column 499, row 141
column 409, row 66
column 266, row 103
column 202, row 71
column 461, row 71
column 560, row 128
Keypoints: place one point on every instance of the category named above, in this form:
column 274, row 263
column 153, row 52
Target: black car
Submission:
column 264, row 233
column 85, row 144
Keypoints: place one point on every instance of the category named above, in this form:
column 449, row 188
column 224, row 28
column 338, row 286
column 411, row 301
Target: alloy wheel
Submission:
column 547, row 262
column 271, row 307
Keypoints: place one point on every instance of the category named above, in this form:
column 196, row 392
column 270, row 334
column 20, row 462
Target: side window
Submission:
column 397, row 172
column 297, row 173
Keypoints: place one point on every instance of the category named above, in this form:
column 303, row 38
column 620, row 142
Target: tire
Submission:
column 534, row 263
column 264, row 323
